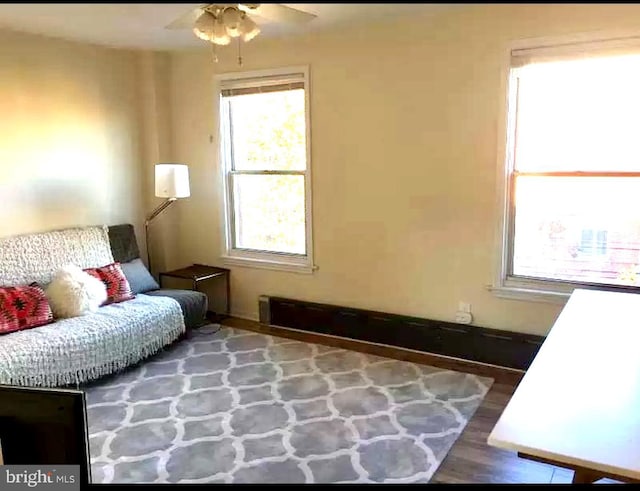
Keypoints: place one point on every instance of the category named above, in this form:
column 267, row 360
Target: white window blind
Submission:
column 575, row 50
column 262, row 84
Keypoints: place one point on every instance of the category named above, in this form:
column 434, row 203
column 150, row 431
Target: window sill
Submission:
column 265, row 264
column 529, row 294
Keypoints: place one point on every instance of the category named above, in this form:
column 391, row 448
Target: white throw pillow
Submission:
column 72, row 292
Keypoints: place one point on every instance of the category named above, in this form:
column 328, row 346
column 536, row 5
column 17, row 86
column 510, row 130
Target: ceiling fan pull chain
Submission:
column 239, row 52
column 214, row 53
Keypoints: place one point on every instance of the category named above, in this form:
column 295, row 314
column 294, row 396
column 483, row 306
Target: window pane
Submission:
column 268, row 131
column 579, row 115
column 586, row 241
column 577, row 229
column 269, row 213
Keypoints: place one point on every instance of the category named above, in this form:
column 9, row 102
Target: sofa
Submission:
column 124, row 248
column 71, row 351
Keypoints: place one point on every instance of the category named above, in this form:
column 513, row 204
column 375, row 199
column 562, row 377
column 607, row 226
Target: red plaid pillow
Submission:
column 23, row 307
column 118, row 288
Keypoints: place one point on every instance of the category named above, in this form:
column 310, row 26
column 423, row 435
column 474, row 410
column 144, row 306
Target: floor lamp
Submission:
column 172, row 182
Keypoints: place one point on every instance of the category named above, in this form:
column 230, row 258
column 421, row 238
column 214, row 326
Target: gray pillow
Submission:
column 138, row 276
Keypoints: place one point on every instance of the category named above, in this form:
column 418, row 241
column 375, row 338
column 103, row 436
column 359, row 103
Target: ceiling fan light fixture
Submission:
column 248, row 29
column 220, row 24
column 231, row 18
column 234, row 33
column 203, row 27
column 220, row 35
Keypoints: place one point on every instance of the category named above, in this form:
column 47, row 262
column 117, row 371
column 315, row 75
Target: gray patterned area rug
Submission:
column 234, row 406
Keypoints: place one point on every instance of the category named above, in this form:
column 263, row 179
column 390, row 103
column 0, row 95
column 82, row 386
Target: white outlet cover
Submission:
column 463, row 317
column 464, row 307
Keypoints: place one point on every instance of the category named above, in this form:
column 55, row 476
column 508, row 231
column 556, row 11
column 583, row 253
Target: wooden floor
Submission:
column 470, row 460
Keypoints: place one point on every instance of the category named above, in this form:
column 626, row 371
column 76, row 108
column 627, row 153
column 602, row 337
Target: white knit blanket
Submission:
column 80, row 349
column 36, row 257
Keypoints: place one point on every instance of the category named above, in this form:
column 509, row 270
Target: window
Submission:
column 264, row 152
column 593, row 242
column 572, row 180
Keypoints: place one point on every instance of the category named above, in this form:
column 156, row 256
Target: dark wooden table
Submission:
column 198, row 273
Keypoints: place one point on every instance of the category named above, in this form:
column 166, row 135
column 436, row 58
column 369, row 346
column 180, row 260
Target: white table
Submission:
column 578, row 404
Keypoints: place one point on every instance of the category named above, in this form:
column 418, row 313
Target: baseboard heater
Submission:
column 497, row 347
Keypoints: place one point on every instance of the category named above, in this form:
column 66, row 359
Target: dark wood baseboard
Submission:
column 499, row 374
column 479, row 344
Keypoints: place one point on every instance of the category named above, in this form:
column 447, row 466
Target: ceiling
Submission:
column 142, row 25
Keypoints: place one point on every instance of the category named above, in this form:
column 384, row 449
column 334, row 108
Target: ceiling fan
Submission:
column 218, row 23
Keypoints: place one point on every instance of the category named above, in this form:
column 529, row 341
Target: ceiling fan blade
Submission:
column 187, row 20
column 280, row 13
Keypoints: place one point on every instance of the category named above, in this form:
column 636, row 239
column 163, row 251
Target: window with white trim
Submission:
column 264, row 150
column 572, row 178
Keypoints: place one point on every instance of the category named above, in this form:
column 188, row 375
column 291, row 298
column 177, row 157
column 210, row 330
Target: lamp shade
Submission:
column 172, row 181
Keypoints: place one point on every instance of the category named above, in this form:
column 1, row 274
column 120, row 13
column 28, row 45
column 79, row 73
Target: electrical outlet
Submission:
column 464, row 307
column 463, row 317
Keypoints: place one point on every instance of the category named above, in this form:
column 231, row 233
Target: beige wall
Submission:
column 404, row 121
column 69, row 135
column 154, row 95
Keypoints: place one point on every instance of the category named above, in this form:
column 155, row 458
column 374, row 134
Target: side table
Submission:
column 198, row 273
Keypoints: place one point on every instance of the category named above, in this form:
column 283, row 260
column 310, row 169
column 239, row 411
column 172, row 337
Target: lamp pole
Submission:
column 163, row 206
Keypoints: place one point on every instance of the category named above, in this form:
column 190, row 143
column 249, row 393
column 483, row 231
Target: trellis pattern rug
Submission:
column 234, row 406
